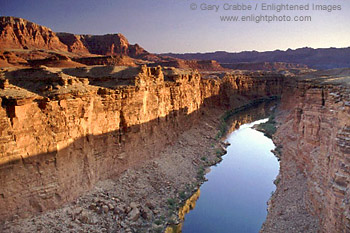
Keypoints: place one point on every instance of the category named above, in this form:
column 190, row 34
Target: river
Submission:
column 234, row 199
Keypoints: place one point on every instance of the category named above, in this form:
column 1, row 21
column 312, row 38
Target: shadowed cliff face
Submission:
column 314, row 141
column 61, row 133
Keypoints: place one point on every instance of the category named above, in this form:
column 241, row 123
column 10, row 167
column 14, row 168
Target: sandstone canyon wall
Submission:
column 61, row 132
column 314, row 136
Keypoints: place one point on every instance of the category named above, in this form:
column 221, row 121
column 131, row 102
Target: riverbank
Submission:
column 288, row 206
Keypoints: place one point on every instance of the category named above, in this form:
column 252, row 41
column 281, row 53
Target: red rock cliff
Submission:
column 110, row 44
column 314, row 136
column 60, row 133
column 17, row 33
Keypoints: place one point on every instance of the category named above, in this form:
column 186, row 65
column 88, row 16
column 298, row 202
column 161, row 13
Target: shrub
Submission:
column 269, row 127
column 158, row 222
column 182, row 195
column 201, row 172
column 171, row 202
column 276, row 181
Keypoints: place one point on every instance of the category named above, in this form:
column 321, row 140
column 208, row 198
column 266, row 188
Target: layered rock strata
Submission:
column 62, row 130
column 313, row 141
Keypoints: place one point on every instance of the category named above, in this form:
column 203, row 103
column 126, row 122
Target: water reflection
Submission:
column 263, row 110
column 189, row 205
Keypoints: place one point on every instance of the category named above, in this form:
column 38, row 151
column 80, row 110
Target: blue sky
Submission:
column 171, row 26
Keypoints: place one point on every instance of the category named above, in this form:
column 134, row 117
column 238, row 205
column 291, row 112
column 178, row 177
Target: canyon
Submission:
column 63, row 130
column 99, row 135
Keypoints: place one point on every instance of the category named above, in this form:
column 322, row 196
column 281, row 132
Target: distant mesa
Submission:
column 327, row 58
column 110, row 44
column 272, row 66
